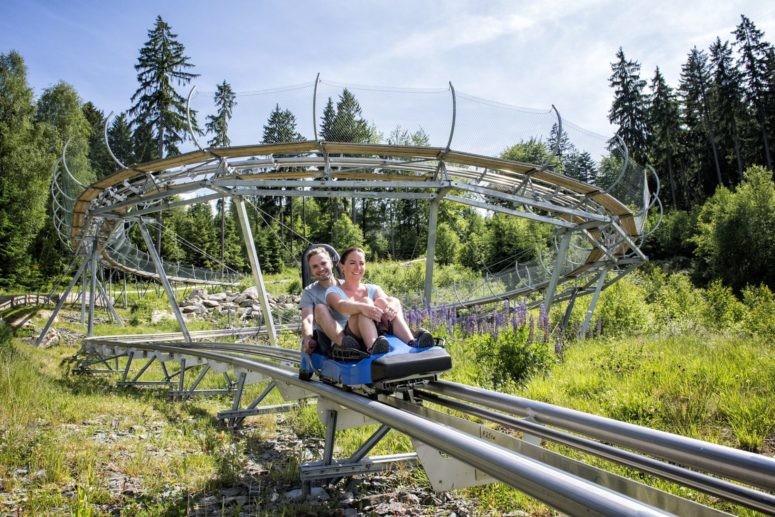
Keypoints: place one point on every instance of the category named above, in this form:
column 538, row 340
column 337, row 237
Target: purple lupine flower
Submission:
column 531, row 330
column 543, row 322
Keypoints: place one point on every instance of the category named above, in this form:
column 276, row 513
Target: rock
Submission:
column 210, row 304
column 199, row 292
column 52, row 338
column 251, row 292
column 409, row 498
column 246, row 303
column 158, row 316
column 218, row 297
column 316, row 493
column 208, row 501
column 188, row 309
column 231, row 492
column 238, row 500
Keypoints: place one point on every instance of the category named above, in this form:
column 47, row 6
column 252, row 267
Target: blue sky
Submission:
column 531, row 54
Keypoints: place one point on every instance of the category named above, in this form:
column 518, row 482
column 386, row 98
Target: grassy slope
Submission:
column 65, row 440
column 711, row 387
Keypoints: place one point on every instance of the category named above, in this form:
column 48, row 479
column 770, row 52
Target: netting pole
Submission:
column 562, row 251
column 250, row 246
column 593, row 303
column 92, row 287
column 430, row 252
column 163, row 279
column 315, row 107
column 83, row 300
column 559, row 133
column 454, row 116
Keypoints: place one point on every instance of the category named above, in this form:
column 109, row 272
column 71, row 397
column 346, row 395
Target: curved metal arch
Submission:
column 107, row 142
column 625, row 165
column 314, row 107
column 188, row 119
column 64, row 163
column 454, row 116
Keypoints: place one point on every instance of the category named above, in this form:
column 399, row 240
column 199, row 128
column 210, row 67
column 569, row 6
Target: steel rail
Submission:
column 717, row 487
column 563, row 491
column 746, row 467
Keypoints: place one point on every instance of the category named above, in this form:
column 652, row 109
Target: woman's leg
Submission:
column 362, row 327
column 400, row 326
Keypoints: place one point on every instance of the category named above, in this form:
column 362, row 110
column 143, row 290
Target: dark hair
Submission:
column 320, row 250
column 345, row 253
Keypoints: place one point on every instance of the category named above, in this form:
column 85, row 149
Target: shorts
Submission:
column 324, row 344
column 348, row 332
column 384, row 328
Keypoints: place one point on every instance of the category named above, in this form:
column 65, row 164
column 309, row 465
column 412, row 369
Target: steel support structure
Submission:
column 593, row 303
column 163, row 279
column 331, row 469
column 255, row 267
column 559, row 260
column 61, row 301
column 92, row 286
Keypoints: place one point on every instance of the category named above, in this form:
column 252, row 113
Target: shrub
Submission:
column 734, row 237
column 678, row 305
column 758, row 319
column 294, row 286
column 673, row 236
column 510, row 356
column 623, row 310
column 722, row 311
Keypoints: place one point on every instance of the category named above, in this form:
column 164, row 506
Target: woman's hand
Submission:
column 371, row 311
column 389, row 313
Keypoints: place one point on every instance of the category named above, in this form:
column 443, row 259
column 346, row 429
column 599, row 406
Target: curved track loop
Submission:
column 608, row 228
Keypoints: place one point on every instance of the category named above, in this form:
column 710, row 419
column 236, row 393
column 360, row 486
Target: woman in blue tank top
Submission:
column 368, row 310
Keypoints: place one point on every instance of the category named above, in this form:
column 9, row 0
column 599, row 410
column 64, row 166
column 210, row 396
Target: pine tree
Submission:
column 348, row 125
column 26, row 162
column 120, row 138
column 580, row 166
column 218, row 124
column 200, row 233
column 628, row 110
column 160, row 111
column 695, row 83
column 559, row 144
column 664, row 118
column 726, row 100
column 757, row 59
column 327, row 121
column 281, row 127
column 99, row 156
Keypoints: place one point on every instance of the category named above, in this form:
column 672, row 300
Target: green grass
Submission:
column 72, row 434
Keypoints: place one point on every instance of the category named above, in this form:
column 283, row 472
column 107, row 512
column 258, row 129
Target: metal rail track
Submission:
column 552, row 484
